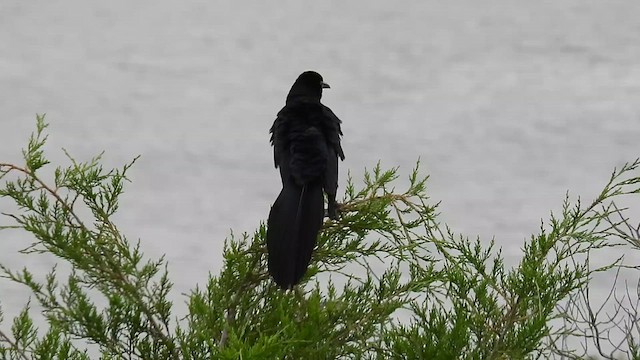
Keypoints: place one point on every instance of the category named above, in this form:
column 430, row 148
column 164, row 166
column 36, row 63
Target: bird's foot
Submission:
column 332, row 210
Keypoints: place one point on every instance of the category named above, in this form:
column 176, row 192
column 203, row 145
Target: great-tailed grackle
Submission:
column 306, row 146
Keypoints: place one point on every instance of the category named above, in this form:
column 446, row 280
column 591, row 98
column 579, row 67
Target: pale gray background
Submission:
column 508, row 104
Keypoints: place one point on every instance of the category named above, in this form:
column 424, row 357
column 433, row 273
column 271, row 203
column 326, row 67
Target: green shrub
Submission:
column 397, row 283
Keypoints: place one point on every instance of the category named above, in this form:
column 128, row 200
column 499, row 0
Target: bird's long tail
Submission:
column 294, row 222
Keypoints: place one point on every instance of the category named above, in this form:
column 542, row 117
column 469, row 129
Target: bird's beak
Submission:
column 325, row 85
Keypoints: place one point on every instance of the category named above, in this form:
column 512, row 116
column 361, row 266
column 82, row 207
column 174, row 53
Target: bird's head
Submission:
column 308, row 84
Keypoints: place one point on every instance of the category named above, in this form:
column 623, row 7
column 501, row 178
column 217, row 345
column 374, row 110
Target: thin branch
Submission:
column 51, row 191
column 14, row 346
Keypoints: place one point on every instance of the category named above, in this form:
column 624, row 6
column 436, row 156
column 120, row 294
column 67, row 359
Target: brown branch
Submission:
column 14, row 346
column 44, row 186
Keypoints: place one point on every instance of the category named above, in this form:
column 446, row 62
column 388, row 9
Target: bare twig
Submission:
column 14, row 346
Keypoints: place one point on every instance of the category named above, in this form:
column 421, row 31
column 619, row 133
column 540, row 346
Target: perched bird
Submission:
column 306, row 146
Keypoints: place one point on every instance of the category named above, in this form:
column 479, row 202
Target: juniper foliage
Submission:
column 388, row 279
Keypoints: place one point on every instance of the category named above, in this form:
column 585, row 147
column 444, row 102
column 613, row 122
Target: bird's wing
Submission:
column 333, row 131
column 278, row 137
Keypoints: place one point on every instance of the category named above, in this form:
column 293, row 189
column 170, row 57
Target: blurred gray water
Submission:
column 509, row 104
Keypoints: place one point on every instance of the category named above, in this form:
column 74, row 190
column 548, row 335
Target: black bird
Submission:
column 306, row 146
